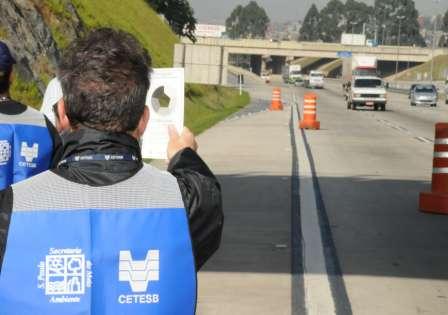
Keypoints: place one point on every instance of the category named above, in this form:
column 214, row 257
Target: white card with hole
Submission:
column 165, row 101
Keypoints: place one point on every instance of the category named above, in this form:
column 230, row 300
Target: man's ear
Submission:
column 63, row 121
column 11, row 76
column 143, row 123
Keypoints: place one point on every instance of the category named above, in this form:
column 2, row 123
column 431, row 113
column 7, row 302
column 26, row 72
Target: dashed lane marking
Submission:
column 402, row 130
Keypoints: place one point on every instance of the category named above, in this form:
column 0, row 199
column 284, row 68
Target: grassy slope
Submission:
column 133, row 16
column 331, row 66
column 206, row 105
column 305, row 61
column 440, row 67
column 140, row 20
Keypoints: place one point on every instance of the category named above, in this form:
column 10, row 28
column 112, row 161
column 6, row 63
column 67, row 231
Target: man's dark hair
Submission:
column 105, row 79
column 4, row 80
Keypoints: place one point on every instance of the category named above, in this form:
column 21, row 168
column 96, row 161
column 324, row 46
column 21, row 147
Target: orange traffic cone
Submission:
column 437, row 200
column 310, row 113
column 276, row 100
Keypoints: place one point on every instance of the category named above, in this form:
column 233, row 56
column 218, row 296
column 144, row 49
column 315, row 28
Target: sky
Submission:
column 216, row 11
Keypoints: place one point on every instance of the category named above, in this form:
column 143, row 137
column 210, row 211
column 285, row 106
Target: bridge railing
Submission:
column 319, row 46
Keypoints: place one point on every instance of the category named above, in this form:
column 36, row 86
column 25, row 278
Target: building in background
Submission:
column 284, row 31
column 210, row 30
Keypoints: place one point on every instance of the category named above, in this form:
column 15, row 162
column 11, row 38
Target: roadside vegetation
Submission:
column 352, row 16
column 139, row 20
column 204, row 105
column 418, row 73
column 26, row 92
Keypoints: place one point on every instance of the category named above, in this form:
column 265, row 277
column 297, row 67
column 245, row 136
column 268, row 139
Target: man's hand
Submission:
column 179, row 142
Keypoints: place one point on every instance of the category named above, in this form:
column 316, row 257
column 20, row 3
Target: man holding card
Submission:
column 110, row 234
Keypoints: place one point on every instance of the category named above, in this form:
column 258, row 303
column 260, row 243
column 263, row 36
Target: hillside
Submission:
column 37, row 30
column 139, row 20
column 423, row 71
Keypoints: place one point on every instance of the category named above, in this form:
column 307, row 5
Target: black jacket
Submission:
column 200, row 190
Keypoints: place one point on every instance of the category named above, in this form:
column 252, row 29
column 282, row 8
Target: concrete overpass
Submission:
column 206, row 61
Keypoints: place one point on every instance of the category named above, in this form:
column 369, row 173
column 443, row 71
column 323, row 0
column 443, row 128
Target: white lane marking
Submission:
column 423, row 139
column 318, row 296
column 404, row 130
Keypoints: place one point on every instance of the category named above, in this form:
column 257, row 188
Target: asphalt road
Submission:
column 325, row 222
column 371, row 167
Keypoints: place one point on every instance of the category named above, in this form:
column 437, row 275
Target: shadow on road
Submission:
column 257, row 225
column 376, row 227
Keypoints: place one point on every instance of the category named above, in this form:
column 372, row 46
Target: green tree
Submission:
column 358, row 17
column 444, row 39
column 250, row 21
column 310, row 30
column 332, row 21
column 179, row 15
column 445, row 22
column 389, row 13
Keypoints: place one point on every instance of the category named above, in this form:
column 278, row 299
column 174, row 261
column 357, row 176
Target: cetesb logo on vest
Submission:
column 139, row 273
column 65, row 275
column 29, row 154
column 5, row 152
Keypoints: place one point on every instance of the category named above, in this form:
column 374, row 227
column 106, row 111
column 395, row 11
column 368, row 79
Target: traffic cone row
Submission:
column 309, row 120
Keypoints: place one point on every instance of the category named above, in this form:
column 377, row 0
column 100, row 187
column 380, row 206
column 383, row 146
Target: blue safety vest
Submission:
column 26, row 147
column 135, row 260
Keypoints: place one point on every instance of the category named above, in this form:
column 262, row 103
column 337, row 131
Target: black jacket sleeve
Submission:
column 57, row 144
column 201, row 194
column 5, row 219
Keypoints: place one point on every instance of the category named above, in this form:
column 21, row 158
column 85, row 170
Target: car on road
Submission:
column 411, row 90
column 315, row 80
column 366, row 91
column 424, row 94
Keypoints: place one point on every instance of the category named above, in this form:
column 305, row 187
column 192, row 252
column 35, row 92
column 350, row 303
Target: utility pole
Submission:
column 353, row 29
column 400, row 18
column 376, row 34
column 433, row 43
column 432, row 48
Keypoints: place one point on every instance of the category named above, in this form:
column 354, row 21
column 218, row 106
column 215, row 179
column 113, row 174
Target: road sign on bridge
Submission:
column 344, row 54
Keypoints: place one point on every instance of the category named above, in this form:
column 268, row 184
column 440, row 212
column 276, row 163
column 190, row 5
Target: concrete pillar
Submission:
column 277, row 64
column 256, row 64
column 264, row 64
column 179, row 55
column 224, row 64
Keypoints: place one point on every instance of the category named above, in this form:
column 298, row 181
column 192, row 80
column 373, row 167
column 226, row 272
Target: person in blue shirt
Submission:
column 28, row 140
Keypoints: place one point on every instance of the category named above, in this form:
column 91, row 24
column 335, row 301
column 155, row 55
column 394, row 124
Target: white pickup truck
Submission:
column 366, row 91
